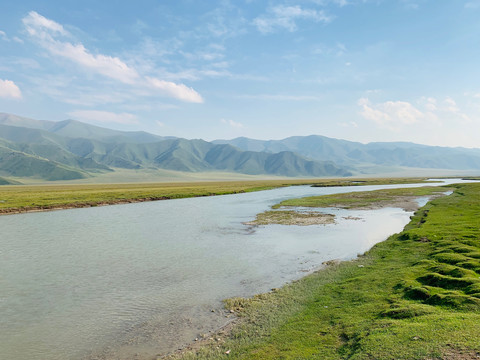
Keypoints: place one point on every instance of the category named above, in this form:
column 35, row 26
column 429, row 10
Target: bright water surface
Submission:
column 115, row 281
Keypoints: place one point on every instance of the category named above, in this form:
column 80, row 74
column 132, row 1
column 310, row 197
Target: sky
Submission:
column 360, row 70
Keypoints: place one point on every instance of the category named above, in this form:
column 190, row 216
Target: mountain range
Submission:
column 354, row 154
column 69, row 149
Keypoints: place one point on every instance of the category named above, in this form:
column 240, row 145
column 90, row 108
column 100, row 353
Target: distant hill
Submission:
column 353, row 154
column 77, row 129
column 71, row 150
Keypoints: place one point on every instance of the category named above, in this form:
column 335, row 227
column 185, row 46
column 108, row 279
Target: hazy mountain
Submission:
column 348, row 153
column 199, row 155
column 77, row 129
column 14, row 120
column 71, row 149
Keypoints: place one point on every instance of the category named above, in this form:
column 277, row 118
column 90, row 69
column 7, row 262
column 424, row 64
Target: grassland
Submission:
column 22, row 198
column 367, row 200
column 402, row 198
column 414, row 296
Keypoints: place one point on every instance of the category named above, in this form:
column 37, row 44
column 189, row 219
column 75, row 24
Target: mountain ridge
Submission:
column 71, row 149
column 351, row 154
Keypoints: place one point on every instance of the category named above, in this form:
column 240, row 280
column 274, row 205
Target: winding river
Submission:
column 136, row 280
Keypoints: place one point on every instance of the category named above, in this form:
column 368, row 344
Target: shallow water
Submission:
column 143, row 278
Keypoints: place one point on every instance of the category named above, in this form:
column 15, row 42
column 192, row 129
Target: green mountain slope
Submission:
column 86, row 149
column 348, row 153
column 18, row 164
column 43, row 144
column 38, row 148
column 198, row 155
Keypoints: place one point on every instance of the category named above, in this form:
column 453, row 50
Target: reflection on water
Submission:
column 143, row 278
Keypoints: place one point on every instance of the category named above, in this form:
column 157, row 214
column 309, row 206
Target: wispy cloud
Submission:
column 280, row 97
column 8, row 89
column 232, row 123
column 472, row 4
column 286, row 17
column 350, row 124
column 395, row 114
column 411, row 4
column 51, row 36
column 4, row 36
column 340, row 3
column 104, row 117
column 390, row 114
column 178, row 91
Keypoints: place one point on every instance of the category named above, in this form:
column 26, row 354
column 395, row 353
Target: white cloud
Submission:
column 390, row 113
column 47, row 32
column 450, row 108
column 232, row 123
column 104, row 117
column 395, row 114
column 285, row 17
column 8, row 89
column 451, row 105
column 280, row 97
column 429, row 103
column 350, row 124
column 178, row 91
column 38, row 25
column 4, row 36
column 108, row 66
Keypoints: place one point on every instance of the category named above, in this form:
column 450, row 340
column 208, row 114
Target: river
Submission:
column 136, row 280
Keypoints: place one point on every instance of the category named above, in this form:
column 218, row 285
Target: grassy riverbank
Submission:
column 21, row 198
column 413, row 296
column 403, row 198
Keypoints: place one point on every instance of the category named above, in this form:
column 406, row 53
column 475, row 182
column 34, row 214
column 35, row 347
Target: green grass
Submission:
column 414, row 296
column 49, row 196
column 378, row 198
column 33, row 197
column 372, row 181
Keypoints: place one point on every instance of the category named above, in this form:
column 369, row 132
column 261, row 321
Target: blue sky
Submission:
column 361, row 70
